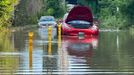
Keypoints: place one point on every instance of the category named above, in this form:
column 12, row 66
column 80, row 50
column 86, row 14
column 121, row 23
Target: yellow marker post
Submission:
column 59, row 36
column 59, row 29
column 49, row 48
column 59, row 46
column 49, row 40
column 30, row 34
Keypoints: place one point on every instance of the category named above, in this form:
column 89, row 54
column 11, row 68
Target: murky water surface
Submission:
column 110, row 53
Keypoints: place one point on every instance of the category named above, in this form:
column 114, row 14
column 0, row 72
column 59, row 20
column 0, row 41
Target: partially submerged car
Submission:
column 79, row 21
column 46, row 21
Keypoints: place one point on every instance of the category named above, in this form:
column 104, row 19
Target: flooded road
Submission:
column 111, row 53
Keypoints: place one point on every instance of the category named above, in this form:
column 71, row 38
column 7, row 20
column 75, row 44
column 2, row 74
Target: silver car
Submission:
column 46, row 21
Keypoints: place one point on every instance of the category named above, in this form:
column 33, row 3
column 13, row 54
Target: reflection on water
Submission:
column 7, row 61
column 5, row 42
column 79, row 47
column 78, row 53
column 44, row 34
column 8, row 64
column 115, row 52
column 110, row 53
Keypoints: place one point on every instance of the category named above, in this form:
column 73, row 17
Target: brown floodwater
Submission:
column 110, row 53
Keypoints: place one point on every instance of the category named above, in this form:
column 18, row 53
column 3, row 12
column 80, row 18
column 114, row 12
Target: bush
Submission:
column 7, row 12
column 116, row 13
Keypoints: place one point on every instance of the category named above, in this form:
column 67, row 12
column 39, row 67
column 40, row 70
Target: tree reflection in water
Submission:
column 7, row 57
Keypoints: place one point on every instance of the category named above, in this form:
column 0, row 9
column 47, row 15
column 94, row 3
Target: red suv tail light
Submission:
column 94, row 27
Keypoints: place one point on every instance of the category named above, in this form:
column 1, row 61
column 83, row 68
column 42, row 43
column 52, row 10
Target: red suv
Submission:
column 79, row 21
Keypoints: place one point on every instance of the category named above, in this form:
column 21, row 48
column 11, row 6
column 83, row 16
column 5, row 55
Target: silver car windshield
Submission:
column 47, row 19
column 80, row 24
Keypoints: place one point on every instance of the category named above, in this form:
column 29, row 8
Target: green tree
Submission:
column 128, row 12
column 50, row 11
column 7, row 12
column 116, row 13
column 57, row 6
column 26, row 12
column 29, row 11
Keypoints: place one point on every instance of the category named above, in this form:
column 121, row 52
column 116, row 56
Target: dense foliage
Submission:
column 111, row 13
column 116, row 13
column 55, row 8
column 26, row 12
column 6, row 11
column 29, row 11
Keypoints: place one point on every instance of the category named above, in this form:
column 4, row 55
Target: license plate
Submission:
column 81, row 33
